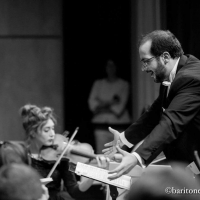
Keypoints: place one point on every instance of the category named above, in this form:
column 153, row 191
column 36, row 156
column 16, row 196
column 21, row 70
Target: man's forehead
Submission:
column 146, row 45
column 144, row 49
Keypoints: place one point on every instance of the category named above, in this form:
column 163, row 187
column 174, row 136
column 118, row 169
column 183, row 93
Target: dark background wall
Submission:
column 183, row 19
column 94, row 31
column 30, row 61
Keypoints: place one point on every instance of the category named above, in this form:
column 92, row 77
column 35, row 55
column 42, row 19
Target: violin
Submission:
column 77, row 152
column 73, row 150
column 57, row 152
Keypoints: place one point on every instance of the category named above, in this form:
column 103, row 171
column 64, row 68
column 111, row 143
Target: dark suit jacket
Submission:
column 176, row 130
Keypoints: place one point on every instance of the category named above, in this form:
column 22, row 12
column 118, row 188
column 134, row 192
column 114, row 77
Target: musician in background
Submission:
column 13, row 152
column 39, row 125
column 26, row 178
column 108, row 103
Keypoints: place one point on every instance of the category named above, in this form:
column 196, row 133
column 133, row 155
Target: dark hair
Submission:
column 13, row 152
column 163, row 41
column 35, row 117
column 19, row 182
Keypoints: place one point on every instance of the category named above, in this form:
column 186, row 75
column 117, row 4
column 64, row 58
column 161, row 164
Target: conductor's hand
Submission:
column 129, row 161
column 111, row 150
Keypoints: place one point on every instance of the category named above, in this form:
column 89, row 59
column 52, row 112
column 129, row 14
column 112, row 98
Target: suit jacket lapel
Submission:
column 182, row 61
column 163, row 93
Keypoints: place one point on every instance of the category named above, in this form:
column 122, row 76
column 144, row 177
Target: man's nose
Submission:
column 144, row 68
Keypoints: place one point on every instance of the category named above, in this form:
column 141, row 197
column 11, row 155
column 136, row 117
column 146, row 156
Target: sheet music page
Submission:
column 102, row 175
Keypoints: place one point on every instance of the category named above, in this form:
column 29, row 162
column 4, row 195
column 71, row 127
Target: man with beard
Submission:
column 172, row 123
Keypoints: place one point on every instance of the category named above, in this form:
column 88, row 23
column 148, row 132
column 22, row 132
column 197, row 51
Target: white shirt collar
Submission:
column 172, row 74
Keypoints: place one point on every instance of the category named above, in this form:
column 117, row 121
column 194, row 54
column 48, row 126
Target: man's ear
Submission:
column 166, row 57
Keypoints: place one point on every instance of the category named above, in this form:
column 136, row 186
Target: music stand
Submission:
column 113, row 192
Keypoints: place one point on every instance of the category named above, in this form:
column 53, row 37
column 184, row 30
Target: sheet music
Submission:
column 102, row 175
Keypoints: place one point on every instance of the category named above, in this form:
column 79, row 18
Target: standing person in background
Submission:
column 108, row 103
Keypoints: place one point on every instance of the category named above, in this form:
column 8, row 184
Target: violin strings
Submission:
column 65, row 149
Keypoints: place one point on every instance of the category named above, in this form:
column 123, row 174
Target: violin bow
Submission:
column 63, row 152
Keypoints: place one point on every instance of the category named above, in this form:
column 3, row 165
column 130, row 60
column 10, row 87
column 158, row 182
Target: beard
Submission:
column 159, row 73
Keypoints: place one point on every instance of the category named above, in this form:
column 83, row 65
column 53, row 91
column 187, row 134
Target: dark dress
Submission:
column 61, row 172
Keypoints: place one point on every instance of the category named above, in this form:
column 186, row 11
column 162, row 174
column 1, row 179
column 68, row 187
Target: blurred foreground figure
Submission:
column 13, row 152
column 165, row 184
column 20, row 182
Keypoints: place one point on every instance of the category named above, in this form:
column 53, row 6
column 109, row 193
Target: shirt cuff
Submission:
column 140, row 160
column 124, row 140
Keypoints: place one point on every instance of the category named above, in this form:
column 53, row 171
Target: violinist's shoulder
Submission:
column 65, row 160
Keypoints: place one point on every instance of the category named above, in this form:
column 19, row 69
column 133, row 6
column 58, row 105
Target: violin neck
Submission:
column 82, row 153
